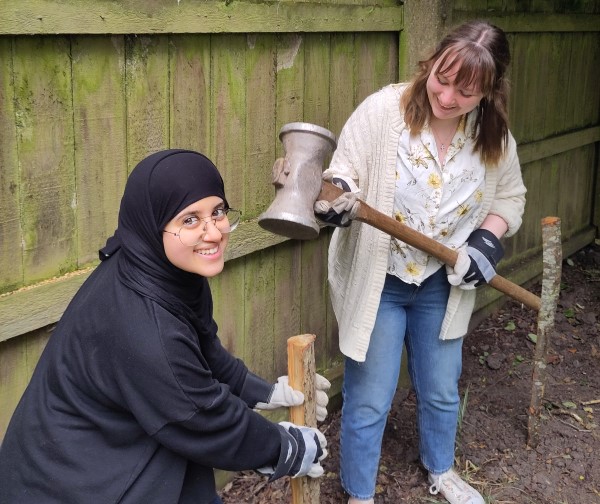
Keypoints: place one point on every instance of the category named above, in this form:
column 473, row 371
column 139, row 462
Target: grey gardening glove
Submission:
column 282, row 395
column 477, row 260
column 303, row 449
column 341, row 210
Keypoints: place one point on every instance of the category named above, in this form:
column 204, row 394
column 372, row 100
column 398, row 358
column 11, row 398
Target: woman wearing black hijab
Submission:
column 134, row 399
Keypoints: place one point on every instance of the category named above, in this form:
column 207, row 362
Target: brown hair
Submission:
column 483, row 54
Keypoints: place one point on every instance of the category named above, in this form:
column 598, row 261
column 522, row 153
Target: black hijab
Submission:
column 157, row 189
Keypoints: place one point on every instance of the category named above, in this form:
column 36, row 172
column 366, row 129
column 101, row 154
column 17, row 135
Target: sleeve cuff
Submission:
column 255, row 390
column 287, row 455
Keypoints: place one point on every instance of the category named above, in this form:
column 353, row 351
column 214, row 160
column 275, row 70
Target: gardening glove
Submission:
column 341, row 210
column 322, row 385
column 283, row 395
column 477, row 260
column 303, row 449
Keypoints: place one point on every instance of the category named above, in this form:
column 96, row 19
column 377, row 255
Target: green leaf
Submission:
column 570, row 262
column 569, row 404
column 510, row 326
column 532, row 337
column 569, row 313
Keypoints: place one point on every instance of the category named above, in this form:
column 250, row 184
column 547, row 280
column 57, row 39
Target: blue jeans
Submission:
column 412, row 315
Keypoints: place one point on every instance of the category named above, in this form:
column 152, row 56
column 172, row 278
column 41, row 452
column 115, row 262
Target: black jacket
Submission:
column 132, row 416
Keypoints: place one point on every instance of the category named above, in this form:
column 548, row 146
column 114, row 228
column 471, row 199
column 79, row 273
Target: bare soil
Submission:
column 496, row 385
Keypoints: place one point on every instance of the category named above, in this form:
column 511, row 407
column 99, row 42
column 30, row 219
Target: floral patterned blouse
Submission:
column 442, row 201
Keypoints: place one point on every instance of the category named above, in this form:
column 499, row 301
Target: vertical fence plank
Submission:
column 99, row 115
column 18, row 358
column 317, row 62
column 228, row 294
column 520, row 90
column 540, row 46
column 259, row 313
column 287, row 292
column 576, row 68
column 147, row 92
column 261, row 136
column 13, row 379
column 228, row 124
column 316, row 306
column 190, row 92
column 289, row 281
column 227, row 150
column 43, row 102
column 378, row 66
column 589, row 113
column 342, row 80
column 290, row 79
column 557, row 86
column 11, row 265
column 575, row 212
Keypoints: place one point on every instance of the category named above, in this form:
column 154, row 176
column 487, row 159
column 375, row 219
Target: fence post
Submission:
column 301, row 376
column 552, row 269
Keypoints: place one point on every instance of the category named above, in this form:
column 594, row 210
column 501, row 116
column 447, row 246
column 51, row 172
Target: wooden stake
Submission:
column 551, row 274
column 301, row 376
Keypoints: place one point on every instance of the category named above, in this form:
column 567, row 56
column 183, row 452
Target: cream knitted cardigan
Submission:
column 358, row 254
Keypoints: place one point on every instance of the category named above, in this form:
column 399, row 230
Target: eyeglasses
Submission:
column 193, row 230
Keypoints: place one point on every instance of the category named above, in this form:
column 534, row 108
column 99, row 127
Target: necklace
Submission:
column 443, row 144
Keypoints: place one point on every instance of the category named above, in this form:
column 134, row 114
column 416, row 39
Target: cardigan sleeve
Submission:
column 509, row 199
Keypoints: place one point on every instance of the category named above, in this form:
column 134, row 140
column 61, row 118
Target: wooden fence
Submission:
column 87, row 89
column 95, row 87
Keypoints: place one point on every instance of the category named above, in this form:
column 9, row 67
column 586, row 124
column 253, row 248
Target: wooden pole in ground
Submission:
column 551, row 274
column 301, row 376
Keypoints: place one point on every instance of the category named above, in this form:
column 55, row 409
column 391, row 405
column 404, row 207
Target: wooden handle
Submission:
column 391, row 226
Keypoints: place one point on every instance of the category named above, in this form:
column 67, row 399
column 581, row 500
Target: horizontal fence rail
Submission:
column 40, row 17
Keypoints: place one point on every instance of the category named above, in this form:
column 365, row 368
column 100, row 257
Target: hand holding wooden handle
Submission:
column 391, row 226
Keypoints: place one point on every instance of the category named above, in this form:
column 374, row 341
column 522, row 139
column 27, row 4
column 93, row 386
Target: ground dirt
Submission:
column 496, row 386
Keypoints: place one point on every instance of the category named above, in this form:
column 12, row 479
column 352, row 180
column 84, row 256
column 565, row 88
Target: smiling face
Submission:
column 206, row 258
column 448, row 98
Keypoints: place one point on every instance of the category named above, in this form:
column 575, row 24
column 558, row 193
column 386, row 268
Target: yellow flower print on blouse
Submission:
column 478, row 196
column 462, row 210
column 412, row 268
column 401, row 218
column 418, row 157
column 434, row 181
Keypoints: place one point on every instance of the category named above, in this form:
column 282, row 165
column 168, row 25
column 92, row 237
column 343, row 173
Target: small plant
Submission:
column 482, row 357
column 518, row 360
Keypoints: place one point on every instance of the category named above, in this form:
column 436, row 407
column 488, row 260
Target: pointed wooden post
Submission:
column 551, row 274
column 301, row 376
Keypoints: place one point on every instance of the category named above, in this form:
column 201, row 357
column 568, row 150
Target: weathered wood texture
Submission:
column 301, row 373
column 100, row 85
column 37, row 17
column 552, row 270
column 80, row 111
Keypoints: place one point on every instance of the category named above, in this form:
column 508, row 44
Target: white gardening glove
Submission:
column 343, row 209
column 456, row 274
column 282, row 395
column 322, row 385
